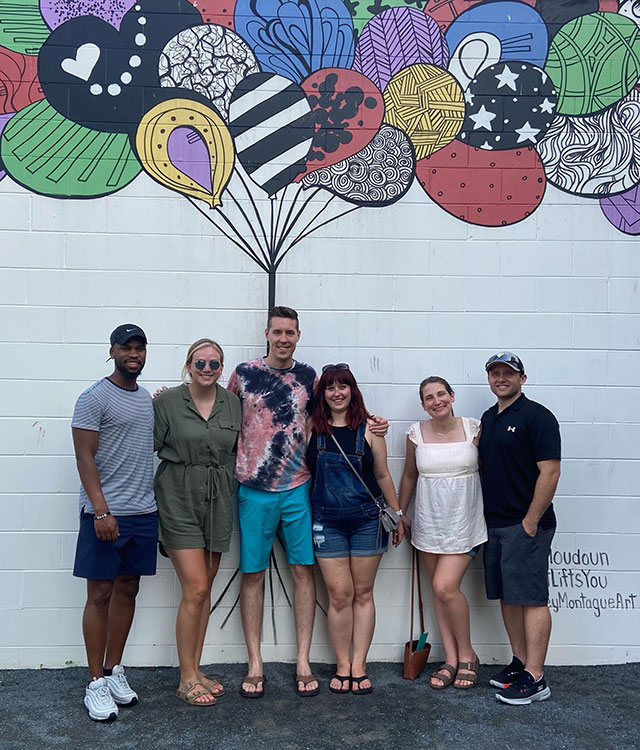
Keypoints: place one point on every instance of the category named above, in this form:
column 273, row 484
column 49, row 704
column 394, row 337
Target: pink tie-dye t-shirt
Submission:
column 272, row 444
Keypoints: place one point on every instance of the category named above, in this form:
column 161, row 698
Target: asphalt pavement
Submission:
column 591, row 708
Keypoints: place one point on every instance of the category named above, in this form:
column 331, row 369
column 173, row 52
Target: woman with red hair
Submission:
column 347, row 535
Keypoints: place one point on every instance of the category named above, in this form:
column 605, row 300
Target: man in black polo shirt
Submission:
column 520, row 468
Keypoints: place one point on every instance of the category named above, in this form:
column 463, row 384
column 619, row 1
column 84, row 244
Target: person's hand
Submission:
column 106, row 529
column 159, row 391
column 530, row 529
column 378, row 426
column 398, row 534
column 406, row 523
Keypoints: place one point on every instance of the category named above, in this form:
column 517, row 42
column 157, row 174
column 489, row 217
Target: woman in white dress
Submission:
column 441, row 464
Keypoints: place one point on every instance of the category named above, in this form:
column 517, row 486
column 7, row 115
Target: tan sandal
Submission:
column 470, row 676
column 445, row 679
column 192, row 691
column 209, row 683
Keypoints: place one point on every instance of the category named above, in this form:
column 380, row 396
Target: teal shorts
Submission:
column 261, row 514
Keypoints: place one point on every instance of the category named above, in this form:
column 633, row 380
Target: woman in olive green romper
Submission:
column 196, row 427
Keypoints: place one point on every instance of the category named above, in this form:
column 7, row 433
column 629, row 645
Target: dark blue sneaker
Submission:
column 525, row 690
column 508, row 675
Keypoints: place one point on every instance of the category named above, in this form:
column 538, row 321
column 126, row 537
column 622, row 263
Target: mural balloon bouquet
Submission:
column 276, row 117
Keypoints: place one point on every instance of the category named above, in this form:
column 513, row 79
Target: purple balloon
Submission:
column 395, row 39
column 56, row 12
column 188, row 152
column 623, row 210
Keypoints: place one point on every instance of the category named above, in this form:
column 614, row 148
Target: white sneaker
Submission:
column 119, row 688
column 99, row 702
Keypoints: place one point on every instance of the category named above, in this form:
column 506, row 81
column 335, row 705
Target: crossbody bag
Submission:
column 388, row 518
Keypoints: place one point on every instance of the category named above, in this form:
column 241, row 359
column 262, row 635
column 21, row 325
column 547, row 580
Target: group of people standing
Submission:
column 312, row 468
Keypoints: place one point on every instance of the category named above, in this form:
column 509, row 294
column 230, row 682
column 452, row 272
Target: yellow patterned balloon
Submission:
column 427, row 103
column 172, row 153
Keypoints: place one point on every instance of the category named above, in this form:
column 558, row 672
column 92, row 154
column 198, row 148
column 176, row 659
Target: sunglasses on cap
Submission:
column 338, row 366
column 200, row 364
column 506, row 358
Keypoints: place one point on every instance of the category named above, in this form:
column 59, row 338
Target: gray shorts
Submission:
column 516, row 565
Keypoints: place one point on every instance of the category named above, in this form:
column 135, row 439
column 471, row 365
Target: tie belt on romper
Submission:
column 216, row 476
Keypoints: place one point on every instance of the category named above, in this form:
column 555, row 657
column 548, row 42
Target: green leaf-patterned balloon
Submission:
column 22, row 28
column 594, row 61
column 50, row 155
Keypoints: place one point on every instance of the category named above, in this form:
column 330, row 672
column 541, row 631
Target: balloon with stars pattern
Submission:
column 510, row 104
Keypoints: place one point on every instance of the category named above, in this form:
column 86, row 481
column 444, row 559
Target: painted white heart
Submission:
column 82, row 65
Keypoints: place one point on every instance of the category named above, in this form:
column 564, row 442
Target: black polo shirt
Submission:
column 511, row 444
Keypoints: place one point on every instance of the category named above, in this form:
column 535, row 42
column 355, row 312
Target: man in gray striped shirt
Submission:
column 112, row 430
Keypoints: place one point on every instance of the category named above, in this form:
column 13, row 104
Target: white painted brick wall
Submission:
column 400, row 293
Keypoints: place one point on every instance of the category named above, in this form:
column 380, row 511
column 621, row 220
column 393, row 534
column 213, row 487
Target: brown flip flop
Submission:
column 253, row 680
column 305, row 679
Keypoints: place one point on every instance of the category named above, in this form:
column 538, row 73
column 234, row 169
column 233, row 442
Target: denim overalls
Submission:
column 337, row 492
column 339, row 500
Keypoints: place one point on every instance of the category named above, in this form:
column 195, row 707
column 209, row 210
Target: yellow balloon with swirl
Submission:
column 186, row 146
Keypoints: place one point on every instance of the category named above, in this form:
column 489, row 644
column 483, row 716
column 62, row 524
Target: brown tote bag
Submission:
column 414, row 661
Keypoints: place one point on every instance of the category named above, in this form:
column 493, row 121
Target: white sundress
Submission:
column 448, row 514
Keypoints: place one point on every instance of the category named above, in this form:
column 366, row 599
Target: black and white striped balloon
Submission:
column 271, row 123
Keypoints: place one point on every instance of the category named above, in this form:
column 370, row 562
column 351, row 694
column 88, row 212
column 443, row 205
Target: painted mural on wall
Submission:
column 275, row 117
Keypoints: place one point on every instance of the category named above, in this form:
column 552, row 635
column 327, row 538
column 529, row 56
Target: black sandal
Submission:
column 357, row 681
column 343, row 678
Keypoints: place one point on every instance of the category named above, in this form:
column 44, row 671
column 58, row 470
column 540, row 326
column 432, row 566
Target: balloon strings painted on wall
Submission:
column 277, row 117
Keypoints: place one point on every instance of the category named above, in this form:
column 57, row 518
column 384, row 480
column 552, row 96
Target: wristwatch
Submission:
column 399, row 512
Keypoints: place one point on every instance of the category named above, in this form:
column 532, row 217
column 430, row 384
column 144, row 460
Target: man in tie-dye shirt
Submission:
column 275, row 392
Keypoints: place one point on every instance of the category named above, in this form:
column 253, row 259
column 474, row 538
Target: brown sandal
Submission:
column 192, row 691
column 471, row 674
column 446, row 680
column 209, row 683
column 253, row 680
column 305, row 679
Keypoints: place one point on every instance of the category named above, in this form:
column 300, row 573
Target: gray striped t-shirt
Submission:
column 124, row 421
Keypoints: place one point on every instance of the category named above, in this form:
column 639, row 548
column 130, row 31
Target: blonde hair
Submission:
column 197, row 345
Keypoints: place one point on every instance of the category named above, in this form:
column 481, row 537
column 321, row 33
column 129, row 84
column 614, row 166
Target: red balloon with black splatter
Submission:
column 213, row 11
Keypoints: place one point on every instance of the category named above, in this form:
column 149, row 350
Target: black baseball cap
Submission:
column 505, row 358
column 127, row 331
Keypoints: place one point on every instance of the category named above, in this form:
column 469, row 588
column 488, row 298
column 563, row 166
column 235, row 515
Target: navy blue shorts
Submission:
column 356, row 538
column 516, row 565
column 134, row 554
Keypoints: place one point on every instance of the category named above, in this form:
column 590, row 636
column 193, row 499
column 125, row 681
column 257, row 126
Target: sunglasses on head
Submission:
column 200, row 364
column 339, row 366
column 506, row 358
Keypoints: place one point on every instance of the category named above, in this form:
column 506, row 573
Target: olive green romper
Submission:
column 194, row 485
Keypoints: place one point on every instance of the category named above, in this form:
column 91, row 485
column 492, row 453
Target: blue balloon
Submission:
column 521, row 30
column 294, row 38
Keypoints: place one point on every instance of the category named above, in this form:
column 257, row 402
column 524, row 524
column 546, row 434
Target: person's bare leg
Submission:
column 121, row 610
column 336, row 572
column 431, row 561
column 513, row 619
column 191, row 570
column 252, row 610
column 304, row 610
column 212, row 565
column 363, row 573
column 537, row 628
column 95, row 624
column 454, row 610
